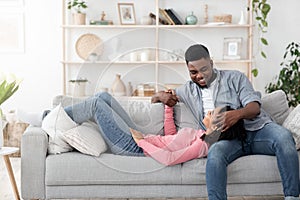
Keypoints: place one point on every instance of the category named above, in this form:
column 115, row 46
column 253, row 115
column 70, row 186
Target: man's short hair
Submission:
column 196, row 52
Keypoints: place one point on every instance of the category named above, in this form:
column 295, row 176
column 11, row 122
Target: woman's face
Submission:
column 201, row 71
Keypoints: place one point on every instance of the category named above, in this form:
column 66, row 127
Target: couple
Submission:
column 208, row 89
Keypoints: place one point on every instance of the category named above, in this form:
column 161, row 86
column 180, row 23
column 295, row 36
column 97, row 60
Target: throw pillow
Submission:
column 55, row 124
column 276, row 105
column 292, row 123
column 147, row 116
column 184, row 118
column 86, row 138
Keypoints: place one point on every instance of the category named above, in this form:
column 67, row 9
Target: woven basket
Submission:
column 12, row 135
column 87, row 44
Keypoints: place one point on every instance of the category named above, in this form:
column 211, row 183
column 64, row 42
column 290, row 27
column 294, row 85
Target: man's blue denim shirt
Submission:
column 232, row 88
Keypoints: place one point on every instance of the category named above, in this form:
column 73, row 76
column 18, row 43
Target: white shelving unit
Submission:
column 119, row 41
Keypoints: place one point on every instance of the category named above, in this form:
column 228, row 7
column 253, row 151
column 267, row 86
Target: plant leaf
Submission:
column 264, row 41
column 254, row 72
column 263, row 54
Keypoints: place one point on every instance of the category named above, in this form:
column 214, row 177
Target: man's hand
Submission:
column 224, row 120
column 166, row 97
column 227, row 119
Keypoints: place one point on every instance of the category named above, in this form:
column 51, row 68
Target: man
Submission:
column 210, row 88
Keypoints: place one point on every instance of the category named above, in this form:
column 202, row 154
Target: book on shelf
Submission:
column 162, row 21
column 165, row 16
column 173, row 15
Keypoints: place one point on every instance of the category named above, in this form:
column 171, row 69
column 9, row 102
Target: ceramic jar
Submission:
column 118, row 87
column 79, row 18
column 191, row 19
column 77, row 88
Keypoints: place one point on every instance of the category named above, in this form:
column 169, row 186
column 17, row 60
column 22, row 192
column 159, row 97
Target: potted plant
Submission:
column 261, row 9
column 288, row 79
column 77, row 87
column 9, row 84
column 78, row 6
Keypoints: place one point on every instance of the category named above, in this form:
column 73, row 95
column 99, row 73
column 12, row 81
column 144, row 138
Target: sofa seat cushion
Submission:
column 247, row 169
column 74, row 168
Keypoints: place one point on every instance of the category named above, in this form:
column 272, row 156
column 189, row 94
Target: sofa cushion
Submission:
column 147, row 116
column 183, row 117
column 292, row 123
column 247, row 169
column 86, row 138
column 55, row 124
column 74, row 168
column 276, row 104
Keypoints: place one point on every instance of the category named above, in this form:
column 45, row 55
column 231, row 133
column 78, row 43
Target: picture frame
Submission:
column 126, row 13
column 232, row 48
column 12, row 32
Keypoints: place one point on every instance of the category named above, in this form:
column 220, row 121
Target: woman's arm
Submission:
column 169, row 125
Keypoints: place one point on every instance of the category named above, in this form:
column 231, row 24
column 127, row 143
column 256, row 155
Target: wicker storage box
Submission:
column 12, row 134
column 227, row 18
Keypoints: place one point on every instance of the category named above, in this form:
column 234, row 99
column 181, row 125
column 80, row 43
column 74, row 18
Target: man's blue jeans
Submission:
column 113, row 121
column 273, row 139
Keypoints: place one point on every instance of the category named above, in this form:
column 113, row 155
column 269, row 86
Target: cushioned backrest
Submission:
column 276, row 105
column 147, row 116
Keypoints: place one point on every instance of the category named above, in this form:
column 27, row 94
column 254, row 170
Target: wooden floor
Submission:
column 6, row 192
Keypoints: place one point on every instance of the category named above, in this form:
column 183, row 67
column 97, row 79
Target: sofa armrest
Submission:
column 33, row 163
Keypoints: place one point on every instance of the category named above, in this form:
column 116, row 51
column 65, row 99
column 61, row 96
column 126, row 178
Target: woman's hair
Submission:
column 196, row 52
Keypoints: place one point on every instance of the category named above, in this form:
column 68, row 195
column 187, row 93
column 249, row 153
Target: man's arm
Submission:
column 165, row 97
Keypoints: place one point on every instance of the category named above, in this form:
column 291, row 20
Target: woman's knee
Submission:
column 103, row 95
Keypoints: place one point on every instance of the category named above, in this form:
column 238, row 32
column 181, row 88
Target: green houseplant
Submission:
column 78, row 6
column 261, row 9
column 288, row 79
column 9, row 84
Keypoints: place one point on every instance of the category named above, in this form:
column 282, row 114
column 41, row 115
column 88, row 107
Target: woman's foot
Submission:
column 136, row 135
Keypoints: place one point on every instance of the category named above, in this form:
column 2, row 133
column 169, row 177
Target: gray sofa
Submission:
column 76, row 175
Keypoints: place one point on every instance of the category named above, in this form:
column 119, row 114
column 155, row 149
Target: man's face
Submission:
column 201, row 71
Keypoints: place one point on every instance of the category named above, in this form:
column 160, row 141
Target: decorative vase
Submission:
column 79, row 18
column 191, row 19
column 129, row 89
column 118, row 87
column 243, row 20
column 146, row 20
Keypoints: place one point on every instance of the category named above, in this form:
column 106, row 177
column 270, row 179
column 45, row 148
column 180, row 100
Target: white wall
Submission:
column 40, row 66
column 284, row 27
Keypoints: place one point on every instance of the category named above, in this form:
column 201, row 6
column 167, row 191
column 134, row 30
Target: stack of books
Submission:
column 168, row 17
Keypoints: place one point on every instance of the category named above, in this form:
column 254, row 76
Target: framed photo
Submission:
column 232, row 48
column 12, row 32
column 126, row 13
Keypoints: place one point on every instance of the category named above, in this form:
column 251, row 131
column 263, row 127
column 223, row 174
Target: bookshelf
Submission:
column 164, row 44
